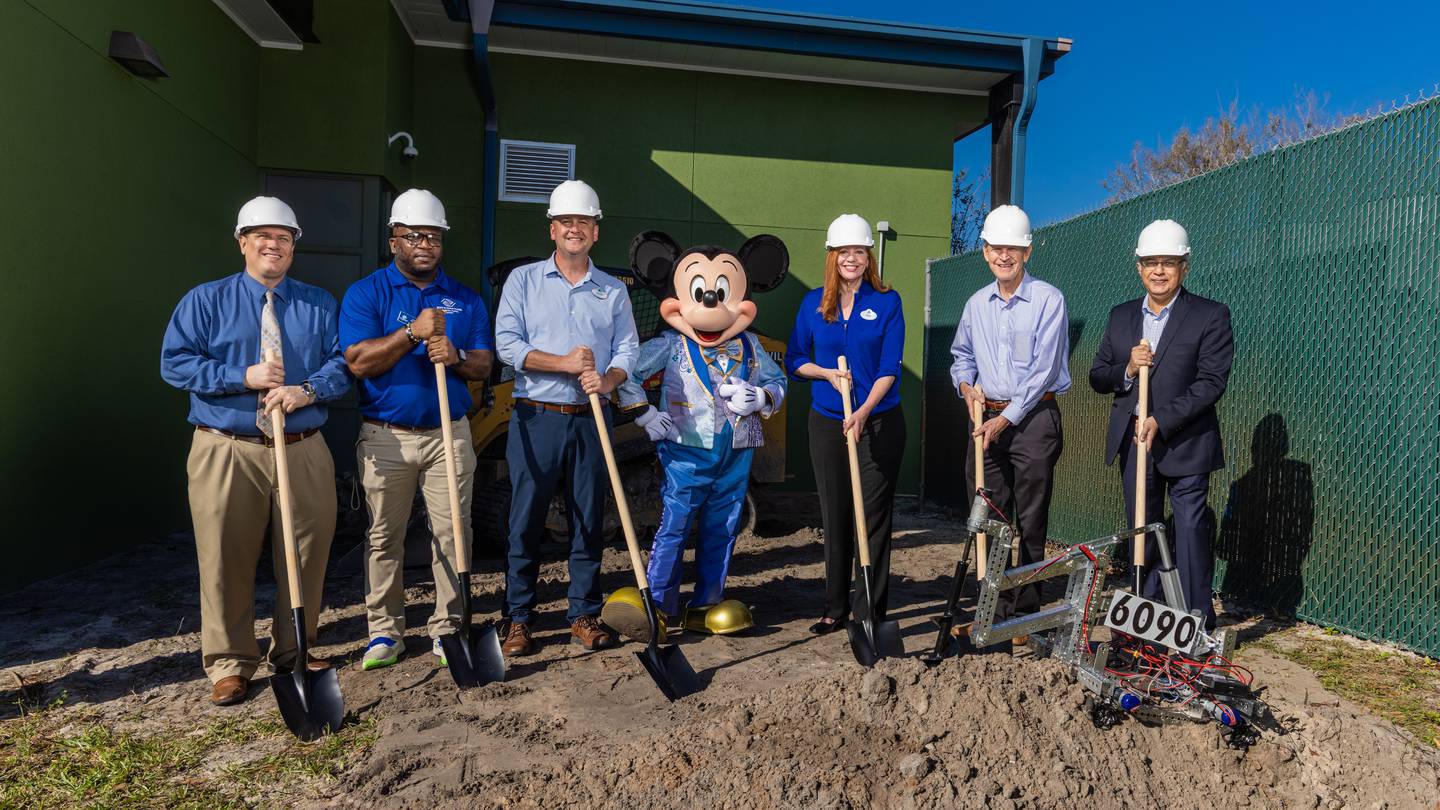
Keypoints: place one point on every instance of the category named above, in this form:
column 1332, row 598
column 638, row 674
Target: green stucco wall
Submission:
column 718, row 158
column 119, row 194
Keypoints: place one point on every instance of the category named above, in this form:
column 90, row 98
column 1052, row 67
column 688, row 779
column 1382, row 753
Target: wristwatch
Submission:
column 308, row 390
column 461, row 353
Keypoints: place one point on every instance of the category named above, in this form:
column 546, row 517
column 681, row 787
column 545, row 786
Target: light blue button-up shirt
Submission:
column 1017, row 350
column 539, row 309
column 1152, row 326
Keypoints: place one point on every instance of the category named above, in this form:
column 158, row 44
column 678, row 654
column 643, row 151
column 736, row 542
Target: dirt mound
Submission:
column 976, row 731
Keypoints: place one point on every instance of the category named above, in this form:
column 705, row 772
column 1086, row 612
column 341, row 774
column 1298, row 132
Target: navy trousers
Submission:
column 1193, row 527
column 545, row 450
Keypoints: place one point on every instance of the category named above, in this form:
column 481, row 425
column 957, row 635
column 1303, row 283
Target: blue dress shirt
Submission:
column 384, row 301
column 539, row 309
column 1018, row 350
column 214, row 336
column 872, row 340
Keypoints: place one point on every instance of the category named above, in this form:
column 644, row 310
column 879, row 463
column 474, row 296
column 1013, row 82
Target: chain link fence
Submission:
column 1328, row 254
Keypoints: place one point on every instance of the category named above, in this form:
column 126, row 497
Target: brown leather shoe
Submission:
column 588, row 632
column 229, row 690
column 518, row 640
column 316, row 664
column 1020, row 641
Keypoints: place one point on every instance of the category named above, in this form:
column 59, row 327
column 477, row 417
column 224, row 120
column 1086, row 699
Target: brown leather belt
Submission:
column 398, row 426
column 290, row 438
column 558, row 408
column 1000, row 405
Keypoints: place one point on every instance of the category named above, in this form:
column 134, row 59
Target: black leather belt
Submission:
column 290, row 438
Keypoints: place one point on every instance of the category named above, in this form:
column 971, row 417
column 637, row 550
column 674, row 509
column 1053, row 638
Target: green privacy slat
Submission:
column 1328, row 253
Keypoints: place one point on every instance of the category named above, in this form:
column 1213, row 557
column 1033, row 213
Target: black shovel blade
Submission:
column 871, row 641
column 474, row 659
column 309, row 702
column 670, row 670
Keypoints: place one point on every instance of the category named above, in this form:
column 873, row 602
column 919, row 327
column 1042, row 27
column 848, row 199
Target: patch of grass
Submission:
column 55, row 758
column 1402, row 688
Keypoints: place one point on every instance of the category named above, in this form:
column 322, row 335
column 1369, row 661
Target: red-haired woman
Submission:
column 857, row 316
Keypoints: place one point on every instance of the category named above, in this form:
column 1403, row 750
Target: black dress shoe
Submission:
column 826, row 625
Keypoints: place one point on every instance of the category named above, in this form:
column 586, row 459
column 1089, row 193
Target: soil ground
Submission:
column 786, row 719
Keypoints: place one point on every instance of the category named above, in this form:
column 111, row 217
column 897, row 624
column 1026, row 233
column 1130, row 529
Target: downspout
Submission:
column 480, row 11
column 1033, row 50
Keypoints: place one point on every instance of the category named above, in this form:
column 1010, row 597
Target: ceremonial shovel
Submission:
column 667, row 665
column 309, row 702
column 1138, row 542
column 472, row 654
column 869, row 640
column 947, row 621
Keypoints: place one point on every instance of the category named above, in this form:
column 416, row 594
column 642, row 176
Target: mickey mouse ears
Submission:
column 653, row 255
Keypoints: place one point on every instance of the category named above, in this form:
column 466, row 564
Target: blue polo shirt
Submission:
column 872, row 340
column 385, row 301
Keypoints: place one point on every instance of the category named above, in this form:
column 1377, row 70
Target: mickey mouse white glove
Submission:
column 658, row 425
column 742, row 398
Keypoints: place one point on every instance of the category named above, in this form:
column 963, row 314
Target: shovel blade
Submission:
column 670, row 670
column 474, row 659
column 310, row 702
column 871, row 641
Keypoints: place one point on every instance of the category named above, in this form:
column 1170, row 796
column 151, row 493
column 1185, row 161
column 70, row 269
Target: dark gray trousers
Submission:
column 1020, row 470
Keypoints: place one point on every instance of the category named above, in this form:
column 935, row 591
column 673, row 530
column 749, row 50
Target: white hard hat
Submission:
column 849, row 229
column 575, row 198
column 1163, row 237
column 266, row 211
column 1007, row 225
column 418, row 207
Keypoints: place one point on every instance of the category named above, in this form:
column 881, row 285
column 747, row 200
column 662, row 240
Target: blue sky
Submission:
column 1140, row 71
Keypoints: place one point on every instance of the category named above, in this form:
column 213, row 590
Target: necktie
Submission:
column 269, row 344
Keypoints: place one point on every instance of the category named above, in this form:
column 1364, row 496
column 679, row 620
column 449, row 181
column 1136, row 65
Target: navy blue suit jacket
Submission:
column 1187, row 377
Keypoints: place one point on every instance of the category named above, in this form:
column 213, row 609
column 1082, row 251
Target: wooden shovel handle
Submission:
column 447, row 432
column 621, row 505
column 861, row 528
column 1138, row 557
column 977, row 415
column 282, row 484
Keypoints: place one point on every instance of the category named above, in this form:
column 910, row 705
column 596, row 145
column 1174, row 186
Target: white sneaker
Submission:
column 382, row 652
column 438, row 650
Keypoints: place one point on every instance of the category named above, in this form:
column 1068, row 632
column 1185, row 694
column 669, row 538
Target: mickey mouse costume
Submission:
column 717, row 382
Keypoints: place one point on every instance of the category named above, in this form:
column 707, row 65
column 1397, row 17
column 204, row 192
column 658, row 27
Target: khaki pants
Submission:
column 232, row 501
column 392, row 464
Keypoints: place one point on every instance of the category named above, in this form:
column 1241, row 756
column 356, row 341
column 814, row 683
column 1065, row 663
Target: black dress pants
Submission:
column 1020, row 470
column 881, row 447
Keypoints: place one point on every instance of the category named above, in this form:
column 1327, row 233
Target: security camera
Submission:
column 409, row 151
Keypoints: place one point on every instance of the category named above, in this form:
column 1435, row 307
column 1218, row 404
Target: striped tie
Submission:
column 269, row 344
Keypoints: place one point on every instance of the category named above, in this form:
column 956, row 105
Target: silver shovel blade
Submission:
column 310, row 702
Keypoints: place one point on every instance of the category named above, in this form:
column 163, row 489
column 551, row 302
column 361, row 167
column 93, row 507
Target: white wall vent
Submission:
column 530, row 170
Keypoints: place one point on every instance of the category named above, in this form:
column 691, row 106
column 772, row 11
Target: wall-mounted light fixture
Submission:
column 136, row 55
column 883, row 226
column 409, row 151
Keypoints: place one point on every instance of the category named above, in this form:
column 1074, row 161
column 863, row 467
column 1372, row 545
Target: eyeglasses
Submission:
column 1168, row 264
column 284, row 240
column 414, row 238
